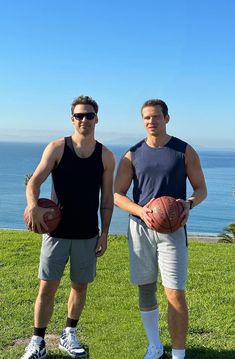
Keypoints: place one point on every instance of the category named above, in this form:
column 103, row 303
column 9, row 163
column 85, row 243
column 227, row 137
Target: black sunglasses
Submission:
column 87, row 115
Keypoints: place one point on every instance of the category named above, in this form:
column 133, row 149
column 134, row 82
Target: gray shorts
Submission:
column 55, row 253
column 150, row 250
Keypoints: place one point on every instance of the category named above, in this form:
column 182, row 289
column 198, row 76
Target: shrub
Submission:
column 229, row 235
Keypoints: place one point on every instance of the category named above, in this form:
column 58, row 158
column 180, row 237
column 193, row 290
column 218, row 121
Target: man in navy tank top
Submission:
column 82, row 184
column 159, row 165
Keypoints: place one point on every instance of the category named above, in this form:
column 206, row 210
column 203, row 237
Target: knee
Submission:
column 80, row 288
column 147, row 296
column 46, row 293
column 176, row 297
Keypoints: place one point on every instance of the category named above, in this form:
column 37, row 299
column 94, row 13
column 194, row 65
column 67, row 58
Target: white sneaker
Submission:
column 36, row 349
column 70, row 344
column 154, row 353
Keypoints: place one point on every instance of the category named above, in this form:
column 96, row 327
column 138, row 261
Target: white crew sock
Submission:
column 150, row 321
column 178, row 353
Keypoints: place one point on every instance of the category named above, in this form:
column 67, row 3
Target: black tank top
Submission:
column 77, row 183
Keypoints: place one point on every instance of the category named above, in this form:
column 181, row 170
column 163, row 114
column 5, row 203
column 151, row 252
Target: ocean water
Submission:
column 210, row 217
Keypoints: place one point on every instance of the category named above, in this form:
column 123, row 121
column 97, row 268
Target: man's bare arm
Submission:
column 195, row 176
column 197, row 180
column 122, row 184
column 50, row 157
column 106, row 202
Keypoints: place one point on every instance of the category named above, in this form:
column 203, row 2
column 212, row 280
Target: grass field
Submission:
column 110, row 325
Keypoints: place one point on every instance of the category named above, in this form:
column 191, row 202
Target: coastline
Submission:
column 207, row 238
column 208, row 220
column 194, row 237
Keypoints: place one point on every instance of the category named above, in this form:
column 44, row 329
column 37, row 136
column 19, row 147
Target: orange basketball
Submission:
column 52, row 219
column 166, row 214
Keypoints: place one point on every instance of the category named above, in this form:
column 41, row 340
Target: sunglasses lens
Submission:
column 87, row 115
column 90, row 115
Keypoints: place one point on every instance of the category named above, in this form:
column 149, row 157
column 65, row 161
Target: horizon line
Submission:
column 108, row 143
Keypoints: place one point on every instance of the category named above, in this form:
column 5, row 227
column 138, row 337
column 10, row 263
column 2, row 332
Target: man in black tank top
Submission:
column 82, row 181
column 159, row 165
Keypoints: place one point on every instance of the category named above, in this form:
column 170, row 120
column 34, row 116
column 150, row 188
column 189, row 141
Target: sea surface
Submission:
column 210, row 217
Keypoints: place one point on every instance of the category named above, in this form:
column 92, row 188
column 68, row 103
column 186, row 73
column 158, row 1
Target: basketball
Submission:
column 166, row 214
column 52, row 219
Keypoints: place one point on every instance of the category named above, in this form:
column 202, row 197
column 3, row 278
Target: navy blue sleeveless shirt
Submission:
column 158, row 171
column 77, row 183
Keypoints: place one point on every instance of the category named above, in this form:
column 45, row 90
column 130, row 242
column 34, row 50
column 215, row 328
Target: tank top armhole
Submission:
column 61, row 157
column 69, row 143
column 98, row 153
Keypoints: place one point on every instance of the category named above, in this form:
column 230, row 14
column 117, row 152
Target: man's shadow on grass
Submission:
column 191, row 353
column 61, row 355
column 205, row 353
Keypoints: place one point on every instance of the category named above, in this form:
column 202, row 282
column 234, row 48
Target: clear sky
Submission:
column 121, row 53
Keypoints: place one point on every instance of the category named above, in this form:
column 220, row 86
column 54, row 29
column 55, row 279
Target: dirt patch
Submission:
column 51, row 340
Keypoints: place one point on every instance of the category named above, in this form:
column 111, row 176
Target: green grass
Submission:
column 110, row 325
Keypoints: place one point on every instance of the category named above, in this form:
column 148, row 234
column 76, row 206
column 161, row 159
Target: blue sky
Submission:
column 121, row 53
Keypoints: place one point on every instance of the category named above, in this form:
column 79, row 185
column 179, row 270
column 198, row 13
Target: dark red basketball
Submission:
column 166, row 214
column 52, row 219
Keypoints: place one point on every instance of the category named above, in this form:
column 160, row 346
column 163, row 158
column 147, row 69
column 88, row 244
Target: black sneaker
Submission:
column 71, row 345
column 36, row 349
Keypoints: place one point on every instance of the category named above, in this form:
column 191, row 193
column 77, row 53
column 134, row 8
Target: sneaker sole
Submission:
column 43, row 357
column 82, row 356
column 163, row 356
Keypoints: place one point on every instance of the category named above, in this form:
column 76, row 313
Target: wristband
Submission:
column 190, row 201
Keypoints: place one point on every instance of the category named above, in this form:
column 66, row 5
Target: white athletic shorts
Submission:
column 150, row 250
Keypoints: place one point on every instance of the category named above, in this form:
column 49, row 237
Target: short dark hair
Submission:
column 156, row 102
column 84, row 100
